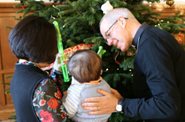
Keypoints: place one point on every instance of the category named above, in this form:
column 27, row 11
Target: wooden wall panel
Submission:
column 7, row 59
column 6, row 23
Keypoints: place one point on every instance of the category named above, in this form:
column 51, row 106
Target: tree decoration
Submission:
column 61, row 52
column 180, row 37
column 68, row 52
column 106, row 7
column 170, row 2
column 101, row 51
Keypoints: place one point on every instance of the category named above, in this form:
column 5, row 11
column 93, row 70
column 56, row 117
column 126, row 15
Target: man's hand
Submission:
column 102, row 105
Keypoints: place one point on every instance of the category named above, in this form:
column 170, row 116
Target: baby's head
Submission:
column 85, row 66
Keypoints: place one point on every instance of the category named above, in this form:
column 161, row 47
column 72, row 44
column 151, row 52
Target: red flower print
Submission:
column 58, row 94
column 53, row 103
column 42, row 102
column 63, row 115
column 46, row 116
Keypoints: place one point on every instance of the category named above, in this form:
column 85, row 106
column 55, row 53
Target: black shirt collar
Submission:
column 138, row 34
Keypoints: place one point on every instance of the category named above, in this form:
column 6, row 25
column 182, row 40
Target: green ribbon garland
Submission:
column 61, row 51
column 101, row 51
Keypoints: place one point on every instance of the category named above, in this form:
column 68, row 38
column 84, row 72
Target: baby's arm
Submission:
column 72, row 100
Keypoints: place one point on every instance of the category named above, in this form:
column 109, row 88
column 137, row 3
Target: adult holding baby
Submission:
column 159, row 68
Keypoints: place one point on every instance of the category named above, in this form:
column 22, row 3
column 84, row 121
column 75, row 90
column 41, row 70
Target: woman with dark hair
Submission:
column 36, row 93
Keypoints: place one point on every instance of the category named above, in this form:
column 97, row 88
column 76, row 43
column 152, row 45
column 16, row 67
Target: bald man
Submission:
column 159, row 71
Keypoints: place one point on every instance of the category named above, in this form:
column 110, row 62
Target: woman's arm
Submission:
column 47, row 102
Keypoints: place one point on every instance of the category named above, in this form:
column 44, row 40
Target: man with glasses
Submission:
column 159, row 71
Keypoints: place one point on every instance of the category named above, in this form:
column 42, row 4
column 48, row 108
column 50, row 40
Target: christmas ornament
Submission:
column 180, row 37
column 170, row 2
column 69, row 51
column 106, row 7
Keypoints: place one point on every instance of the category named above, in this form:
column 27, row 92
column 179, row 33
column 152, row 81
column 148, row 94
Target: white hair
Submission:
column 114, row 14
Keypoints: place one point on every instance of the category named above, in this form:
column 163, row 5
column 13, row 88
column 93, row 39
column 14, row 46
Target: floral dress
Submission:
column 47, row 100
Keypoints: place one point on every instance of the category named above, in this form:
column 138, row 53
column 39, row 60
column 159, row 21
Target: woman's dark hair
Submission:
column 85, row 65
column 34, row 39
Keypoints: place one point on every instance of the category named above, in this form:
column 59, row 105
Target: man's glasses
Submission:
column 107, row 33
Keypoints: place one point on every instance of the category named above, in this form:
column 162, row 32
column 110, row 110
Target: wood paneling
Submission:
column 8, row 19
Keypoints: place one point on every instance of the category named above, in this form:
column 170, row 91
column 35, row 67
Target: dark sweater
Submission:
column 159, row 78
column 22, row 88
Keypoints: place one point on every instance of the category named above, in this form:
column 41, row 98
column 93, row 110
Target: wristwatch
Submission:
column 119, row 106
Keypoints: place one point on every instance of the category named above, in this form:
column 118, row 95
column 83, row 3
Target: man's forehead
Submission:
column 104, row 26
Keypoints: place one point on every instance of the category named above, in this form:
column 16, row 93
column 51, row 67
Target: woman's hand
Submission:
column 105, row 104
column 65, row 93
column 57, row 64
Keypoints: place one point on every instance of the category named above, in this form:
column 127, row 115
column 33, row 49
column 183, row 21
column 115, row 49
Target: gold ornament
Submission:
column 170, row 2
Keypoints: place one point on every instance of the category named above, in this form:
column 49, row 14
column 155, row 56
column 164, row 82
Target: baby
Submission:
column 85, row 66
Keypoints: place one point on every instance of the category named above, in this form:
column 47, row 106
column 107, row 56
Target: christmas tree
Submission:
column 79, row 24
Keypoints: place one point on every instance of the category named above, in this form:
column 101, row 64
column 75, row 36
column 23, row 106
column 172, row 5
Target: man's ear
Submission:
column 122, row 21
